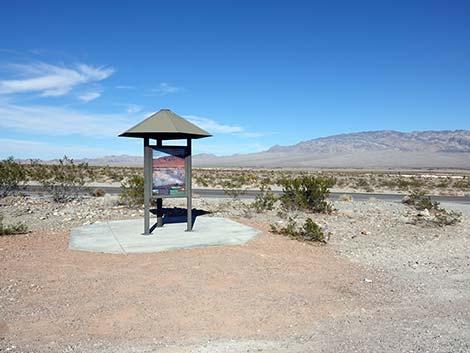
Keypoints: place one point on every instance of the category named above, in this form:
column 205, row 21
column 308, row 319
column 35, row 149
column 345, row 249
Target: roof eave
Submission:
column 164, row 135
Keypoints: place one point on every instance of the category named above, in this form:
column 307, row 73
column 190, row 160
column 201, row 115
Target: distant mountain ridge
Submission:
column 418, row 141
column 371, row 149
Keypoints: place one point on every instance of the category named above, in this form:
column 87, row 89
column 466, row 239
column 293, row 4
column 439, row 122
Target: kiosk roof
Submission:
column 166, row 125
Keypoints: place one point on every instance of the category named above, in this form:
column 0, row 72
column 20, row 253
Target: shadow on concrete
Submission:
column 179, row 214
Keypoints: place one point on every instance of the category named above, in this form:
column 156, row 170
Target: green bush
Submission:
column 64, row 181
column 132, row 190
column 309, row 231
column 447, row 218
column 420, row 201
column 12, row 176
column 462, row 184
column 265, row 200
column 307, row 193
column 435, row 214
column 17, row 228
column 404, row 184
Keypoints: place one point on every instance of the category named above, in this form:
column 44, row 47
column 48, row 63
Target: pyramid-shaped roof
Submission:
column 166, row 125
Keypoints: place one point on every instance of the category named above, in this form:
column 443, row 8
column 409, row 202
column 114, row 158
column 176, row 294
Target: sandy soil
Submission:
column 367, row 292
column 53, row 297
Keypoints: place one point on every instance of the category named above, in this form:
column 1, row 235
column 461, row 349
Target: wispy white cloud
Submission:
column 51, row 80
column 61, row 121
column 133, row 108
column 46, row 150
column 213, row 126
column 89, row 96
column 163, row 89
column 253, row 134
column 124, row 87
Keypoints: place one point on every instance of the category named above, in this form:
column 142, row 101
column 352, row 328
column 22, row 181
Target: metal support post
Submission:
column 159, row 212
column 159, row 200
column 147, row 185
column 189, row 192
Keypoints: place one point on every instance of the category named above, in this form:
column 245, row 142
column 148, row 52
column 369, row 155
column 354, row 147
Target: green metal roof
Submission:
column 166, row 125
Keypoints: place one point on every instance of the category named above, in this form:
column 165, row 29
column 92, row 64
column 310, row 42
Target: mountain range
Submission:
column 371, row 149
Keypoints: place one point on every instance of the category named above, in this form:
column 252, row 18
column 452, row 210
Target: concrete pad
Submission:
column 122, row 237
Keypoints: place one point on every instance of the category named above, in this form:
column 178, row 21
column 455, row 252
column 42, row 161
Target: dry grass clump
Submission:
column 346, row 198
column 98, row 192
column 12, row 229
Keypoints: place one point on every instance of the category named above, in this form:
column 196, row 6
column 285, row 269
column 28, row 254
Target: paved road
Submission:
column 251, row 194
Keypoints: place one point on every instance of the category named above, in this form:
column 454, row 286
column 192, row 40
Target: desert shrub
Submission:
column 443, row 184
column 309, row 231
column 233, row 188
column 265, row 200
column 444, row 217
column 98, row 192
column 17, row 228
column 388, row 183
column 201, row 180
column 114, row 173
column 132, row 190
column 362, row 183
column 12, row 176
column 64, row 181
column 420, row 201
column 265, row 181
column 462, row 184
column 404, row 184
column 434, row 214
column 244, row 178
column 307, row 193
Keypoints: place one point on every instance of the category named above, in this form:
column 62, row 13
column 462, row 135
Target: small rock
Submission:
column 406, row 200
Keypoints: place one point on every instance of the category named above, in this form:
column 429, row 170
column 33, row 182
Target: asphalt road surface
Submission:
column 251, row 194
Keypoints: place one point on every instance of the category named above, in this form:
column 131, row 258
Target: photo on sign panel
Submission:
column 168, row 171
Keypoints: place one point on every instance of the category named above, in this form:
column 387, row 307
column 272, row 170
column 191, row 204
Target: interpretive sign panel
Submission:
column 168, row 172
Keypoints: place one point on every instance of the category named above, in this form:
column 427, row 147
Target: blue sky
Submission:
column 73, row 75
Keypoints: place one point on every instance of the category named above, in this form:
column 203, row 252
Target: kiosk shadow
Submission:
column 178, row 215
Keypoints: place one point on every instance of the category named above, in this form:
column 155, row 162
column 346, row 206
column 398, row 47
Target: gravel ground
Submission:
column 379, row 285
